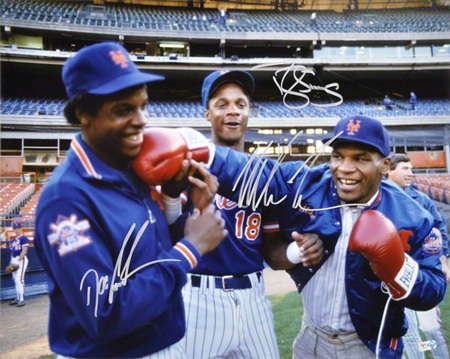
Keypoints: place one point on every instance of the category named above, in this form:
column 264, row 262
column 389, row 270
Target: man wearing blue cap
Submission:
column 226, row 290
column 19, row 263
column 114, row 276
column 381, row 249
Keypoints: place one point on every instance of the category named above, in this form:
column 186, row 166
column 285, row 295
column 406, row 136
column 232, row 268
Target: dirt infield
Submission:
column 23, row 333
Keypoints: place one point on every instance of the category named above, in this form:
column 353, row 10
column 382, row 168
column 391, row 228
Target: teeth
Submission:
column 349, row 182
column 135, row 137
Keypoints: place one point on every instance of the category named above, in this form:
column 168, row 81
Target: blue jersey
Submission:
column 114, row 278
column 241, row 251
column 17, row 245
column 300, row 192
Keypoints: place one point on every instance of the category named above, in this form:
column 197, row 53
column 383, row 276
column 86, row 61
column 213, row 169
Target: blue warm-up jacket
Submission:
column 298, row 192
column 114, row 277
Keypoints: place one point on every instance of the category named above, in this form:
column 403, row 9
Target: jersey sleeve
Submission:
column 425, row 248
column 253, row 181
column 104, row 277
column 24, row 241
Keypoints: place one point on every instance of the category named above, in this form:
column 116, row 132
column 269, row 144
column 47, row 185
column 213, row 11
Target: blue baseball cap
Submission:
column 102, row 69
column 219, row 77
column 362, row 129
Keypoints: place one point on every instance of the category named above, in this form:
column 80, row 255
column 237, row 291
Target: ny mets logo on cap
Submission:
column 102, row 69
column 119, row 58
column 353, row 127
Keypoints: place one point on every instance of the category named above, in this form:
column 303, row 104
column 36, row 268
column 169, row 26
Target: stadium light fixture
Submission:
column 172, row 46
column 411, row 44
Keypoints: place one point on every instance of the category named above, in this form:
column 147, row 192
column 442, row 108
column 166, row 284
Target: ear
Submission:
column 83, row 117
column 208, row 115
column 385, row 166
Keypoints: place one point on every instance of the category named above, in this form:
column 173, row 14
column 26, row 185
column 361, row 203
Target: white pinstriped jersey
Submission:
column 326, row 304
column 234, row 323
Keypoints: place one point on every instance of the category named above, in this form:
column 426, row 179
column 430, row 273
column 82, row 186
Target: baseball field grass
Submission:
column 288, row 310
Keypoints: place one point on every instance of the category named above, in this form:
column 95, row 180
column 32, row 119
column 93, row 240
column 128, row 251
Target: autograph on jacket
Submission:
column 248, row 181
column 296, row 95
column 121, row 272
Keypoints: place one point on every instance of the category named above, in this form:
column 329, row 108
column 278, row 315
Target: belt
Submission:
column 227, row 282
column 336, row 337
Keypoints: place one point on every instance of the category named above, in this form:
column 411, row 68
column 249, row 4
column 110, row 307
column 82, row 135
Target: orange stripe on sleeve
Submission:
column 186, row 253
column 394, row 342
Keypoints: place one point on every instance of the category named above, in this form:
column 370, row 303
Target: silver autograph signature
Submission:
column 102, row 284
column 300, row 89
column 253, row 173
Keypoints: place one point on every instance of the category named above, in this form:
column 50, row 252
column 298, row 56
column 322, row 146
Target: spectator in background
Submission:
column 387, row 102
column 19, row 248
column 3, row 235
column 223, row 16
column 313, row 19
column 400, row 172
column 413, row 100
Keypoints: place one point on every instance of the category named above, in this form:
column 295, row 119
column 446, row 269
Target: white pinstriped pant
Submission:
column 311, row 343
column 412, row 337
column 229, row 324
column 19, row 276
column 430, row 324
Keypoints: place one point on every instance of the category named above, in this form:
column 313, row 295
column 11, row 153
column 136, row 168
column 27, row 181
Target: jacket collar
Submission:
column 90, row 165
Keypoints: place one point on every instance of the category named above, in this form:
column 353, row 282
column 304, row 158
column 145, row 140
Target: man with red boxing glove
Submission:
column 379, row 244
column 381, row 249
column 115, row 278
column 236, row 265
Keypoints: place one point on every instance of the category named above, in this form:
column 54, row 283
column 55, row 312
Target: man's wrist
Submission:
column 172, row 208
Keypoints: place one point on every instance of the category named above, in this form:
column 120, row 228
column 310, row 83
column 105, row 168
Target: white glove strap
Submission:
column 172, row 208
column 195, row 139
column 407, row 276
column 293, row 253
column 212, row 153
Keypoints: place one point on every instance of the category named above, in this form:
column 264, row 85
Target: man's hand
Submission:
column 180, row 181
column 11, row 268
column 310, row 248
column 203, row 190
column 205, row 229
column 307, row 248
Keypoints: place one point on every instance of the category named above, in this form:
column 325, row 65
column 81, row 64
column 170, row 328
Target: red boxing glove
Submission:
column 163, row 151
column 376, row 238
